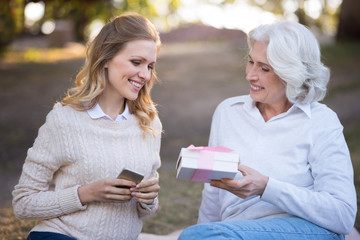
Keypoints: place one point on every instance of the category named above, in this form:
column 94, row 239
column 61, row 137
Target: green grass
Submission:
column 179, row 202
column 12, row 228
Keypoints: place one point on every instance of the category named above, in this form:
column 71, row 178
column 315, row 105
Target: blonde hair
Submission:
column 90, row 81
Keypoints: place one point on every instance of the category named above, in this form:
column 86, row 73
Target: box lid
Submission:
column 218, row 156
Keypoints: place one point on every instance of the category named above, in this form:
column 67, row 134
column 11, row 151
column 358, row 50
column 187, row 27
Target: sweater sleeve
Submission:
column 332, row 201
column 32, row 197
column 145, row 210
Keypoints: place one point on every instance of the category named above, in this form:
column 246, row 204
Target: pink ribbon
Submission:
column 205, row 162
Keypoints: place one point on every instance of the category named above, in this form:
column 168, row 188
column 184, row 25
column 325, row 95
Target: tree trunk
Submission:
column 349, row 21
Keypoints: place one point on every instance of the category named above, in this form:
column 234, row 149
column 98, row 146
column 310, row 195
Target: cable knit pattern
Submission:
column 73, row 150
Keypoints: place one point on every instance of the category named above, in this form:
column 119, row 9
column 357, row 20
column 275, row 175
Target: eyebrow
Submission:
column 261, row 63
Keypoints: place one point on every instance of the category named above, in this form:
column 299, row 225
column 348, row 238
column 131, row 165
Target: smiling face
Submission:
column 129, row 70
column 265, row 86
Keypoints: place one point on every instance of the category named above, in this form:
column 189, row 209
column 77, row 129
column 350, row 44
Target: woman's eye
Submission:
column 136, row 63
column 251, row 62
column 151, row 67
column 265, row 69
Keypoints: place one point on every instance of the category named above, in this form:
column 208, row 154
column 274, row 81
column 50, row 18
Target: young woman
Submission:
column 106, row 123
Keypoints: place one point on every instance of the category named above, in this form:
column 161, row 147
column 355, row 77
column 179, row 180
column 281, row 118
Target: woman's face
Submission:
column 265, row 86
column 130, row 69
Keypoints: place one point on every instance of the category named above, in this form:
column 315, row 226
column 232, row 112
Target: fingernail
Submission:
column 132, row 189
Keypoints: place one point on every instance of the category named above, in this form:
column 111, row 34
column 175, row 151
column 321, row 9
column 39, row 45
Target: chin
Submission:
column 132, row 98
column 253, row 96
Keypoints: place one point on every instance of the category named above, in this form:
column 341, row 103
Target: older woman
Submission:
column 295, row 179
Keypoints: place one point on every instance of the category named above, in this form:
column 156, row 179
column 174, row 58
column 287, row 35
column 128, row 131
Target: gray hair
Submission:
column 294, row 54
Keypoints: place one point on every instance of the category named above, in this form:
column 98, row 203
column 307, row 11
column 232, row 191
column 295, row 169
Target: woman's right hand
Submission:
column 106, row 190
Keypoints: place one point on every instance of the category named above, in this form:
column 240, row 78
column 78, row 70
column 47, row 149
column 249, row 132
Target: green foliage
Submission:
column 80, row 12
column 327, row 21
column 7, row 25
column 83, row 12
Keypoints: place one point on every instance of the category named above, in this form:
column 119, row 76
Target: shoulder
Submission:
column 58, row 107
column 61, row 114
column 156, row 123
column 320, row 112
column 233, row 100
column 54, row 122
column 324, row 120
column 226, row 108
column 229, row 103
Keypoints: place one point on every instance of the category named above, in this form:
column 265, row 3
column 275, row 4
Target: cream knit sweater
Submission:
column 73, row 150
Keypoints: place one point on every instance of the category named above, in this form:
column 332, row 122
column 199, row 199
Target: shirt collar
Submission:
column 306, row 108
column 249, row 104
column 96, row 113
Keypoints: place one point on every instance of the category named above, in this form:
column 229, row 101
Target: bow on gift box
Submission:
column 205, row 162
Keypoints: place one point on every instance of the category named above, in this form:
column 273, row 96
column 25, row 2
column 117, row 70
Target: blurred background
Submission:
column 201, row 63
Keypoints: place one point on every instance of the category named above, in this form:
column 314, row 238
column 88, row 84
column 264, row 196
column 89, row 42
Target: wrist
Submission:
column 84, row 195
column 265, row 182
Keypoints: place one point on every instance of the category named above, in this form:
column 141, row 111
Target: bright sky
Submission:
column 235, row 16
column 241, row 15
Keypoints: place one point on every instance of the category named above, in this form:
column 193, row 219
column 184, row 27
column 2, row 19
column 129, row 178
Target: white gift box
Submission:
column 202, row 164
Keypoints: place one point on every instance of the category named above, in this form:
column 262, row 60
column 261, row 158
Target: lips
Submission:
column 255, row 88
column 136, row 84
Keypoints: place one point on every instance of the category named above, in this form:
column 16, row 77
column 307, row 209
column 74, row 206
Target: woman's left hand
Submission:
column 252, row 183
column 146, row 191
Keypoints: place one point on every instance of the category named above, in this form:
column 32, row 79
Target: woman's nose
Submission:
column 251, row 73
column 145, row 74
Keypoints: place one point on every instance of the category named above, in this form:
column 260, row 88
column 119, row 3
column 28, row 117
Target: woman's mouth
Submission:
column 136, row 84
column 255, row 88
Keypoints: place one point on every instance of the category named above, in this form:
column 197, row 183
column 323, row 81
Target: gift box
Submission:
column 202, row 164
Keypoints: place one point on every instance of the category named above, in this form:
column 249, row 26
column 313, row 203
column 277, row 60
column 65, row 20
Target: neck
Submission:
column 269, row 111
column 110, row 107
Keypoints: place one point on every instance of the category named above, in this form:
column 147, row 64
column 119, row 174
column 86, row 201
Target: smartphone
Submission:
column 131, row 175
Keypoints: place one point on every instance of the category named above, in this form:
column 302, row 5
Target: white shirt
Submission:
column 305, row 156
column 96, row 113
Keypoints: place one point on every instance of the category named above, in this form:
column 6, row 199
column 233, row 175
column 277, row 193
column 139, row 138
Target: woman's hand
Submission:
column 106, row 190
column 146, row 191
column 252, row 183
